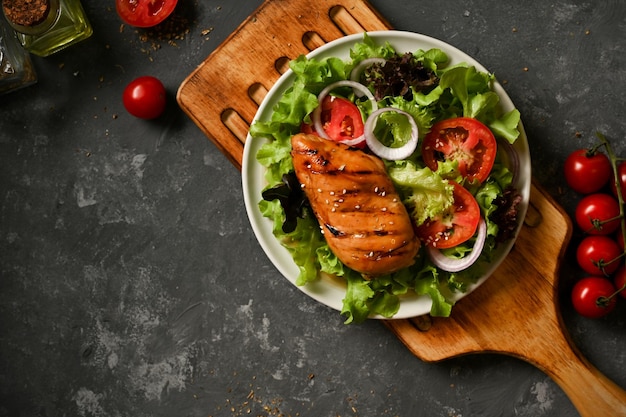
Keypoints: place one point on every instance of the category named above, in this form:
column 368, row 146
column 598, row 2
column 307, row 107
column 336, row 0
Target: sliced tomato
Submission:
column 457, row 225
column 144, row 13
column 461, row 139
column 341, row 119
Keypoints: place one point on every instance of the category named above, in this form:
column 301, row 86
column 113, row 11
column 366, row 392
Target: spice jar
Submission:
column 47, row 26
column 16, row 68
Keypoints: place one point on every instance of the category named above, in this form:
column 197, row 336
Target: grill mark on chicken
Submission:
column 356, row 205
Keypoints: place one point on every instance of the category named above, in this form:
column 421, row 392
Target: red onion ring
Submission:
column 455, row 265
column 386, row 152
column 316, row 116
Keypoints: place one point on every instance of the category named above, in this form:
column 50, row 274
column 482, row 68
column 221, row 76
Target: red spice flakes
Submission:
column 26, row 12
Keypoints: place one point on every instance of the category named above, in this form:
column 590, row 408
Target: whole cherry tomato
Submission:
column 144, row 13
column 598, row 214
column 590, row 297
column 598, row 255
column 620, row 281
column 587, row 171
column 145, row 97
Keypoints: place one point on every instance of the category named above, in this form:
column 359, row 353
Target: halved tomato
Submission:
column 457, row 225
column 461, row 139
column 144, row 13
column 341, row 119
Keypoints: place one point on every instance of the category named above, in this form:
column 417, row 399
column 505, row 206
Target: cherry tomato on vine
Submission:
column 598, row 214
column 598, row 255
column 587, row 172
column 341, row 120
column 145, row 97
column 621, row 174
column 620, row 280
column 462, row 139
column 455, row 226
column 144, row 13
column 590, row 297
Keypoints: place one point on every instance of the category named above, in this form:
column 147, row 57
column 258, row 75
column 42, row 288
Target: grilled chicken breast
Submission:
column 359, row 211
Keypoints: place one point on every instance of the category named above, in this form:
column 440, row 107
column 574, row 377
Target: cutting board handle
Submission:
column 592, row 393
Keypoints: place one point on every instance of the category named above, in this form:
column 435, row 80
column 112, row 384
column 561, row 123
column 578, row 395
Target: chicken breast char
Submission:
column 359, row 211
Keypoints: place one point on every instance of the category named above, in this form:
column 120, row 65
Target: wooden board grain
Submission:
column 515, row 312
column 222, row 95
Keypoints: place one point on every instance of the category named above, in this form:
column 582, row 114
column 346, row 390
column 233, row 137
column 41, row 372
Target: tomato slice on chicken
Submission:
column 461, row 139
column 341, row 119
column 457, row 225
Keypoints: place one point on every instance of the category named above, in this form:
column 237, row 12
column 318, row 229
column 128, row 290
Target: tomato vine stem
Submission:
column 601, row 264
column 596, row 224
column 618, row 190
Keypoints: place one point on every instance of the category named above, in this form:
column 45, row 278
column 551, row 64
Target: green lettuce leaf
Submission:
column 358, row 293
column 507, row 126
column 368, row 48
column 424, row 192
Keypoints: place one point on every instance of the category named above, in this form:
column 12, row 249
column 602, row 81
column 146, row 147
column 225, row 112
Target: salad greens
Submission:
column 461, row 90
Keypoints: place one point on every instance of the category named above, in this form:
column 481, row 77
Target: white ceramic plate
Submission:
column 331, row 291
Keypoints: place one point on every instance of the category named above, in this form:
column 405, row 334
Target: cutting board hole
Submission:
column 282, row 64
column 422, row 323
column 236, row 124
column 344, row 20
column 312, row 40
column 533, row 216
column 257, row 92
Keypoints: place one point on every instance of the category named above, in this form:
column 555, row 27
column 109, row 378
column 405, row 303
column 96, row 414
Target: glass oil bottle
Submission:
column 47, row 26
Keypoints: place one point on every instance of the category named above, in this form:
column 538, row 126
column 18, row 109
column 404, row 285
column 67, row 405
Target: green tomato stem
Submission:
column 618, row 189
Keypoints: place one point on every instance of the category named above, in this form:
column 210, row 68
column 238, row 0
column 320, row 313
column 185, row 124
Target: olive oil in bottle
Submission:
column 47, row 26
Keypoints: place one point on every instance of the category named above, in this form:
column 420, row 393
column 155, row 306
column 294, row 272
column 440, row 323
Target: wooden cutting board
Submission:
column 515, row 312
